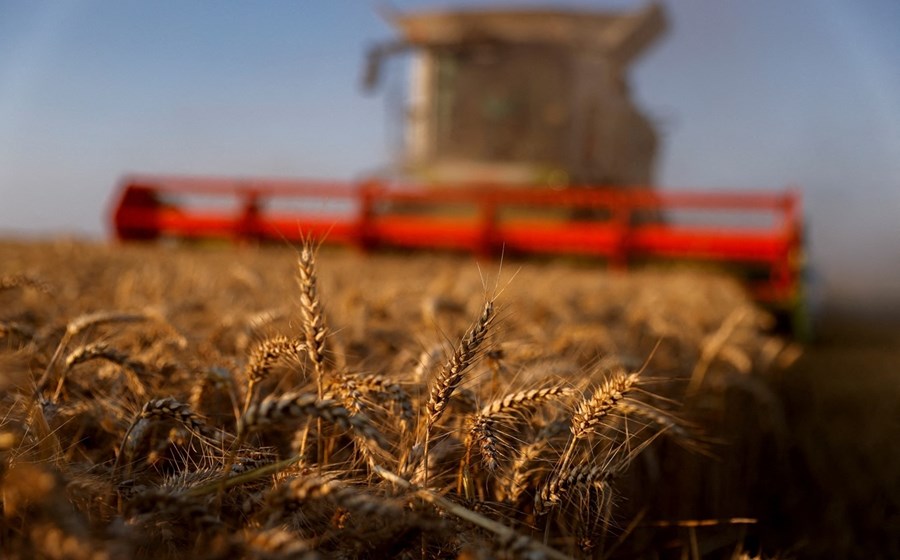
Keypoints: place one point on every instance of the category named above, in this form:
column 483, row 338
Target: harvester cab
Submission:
column 523, row 97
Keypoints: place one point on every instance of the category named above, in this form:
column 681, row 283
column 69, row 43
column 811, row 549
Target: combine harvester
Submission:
column 522, row 139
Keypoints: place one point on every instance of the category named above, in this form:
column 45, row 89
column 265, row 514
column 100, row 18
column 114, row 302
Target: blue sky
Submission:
column 747, row 94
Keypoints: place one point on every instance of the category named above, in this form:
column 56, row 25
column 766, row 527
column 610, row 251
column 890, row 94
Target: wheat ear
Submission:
column 485, row 423
column 319, row 488
column 165, row 408
column 264, row 356
column 313, row 315
column 451, row 375
column 593, row 411
column 79, row 324
column 584, row 475
column 101, row 351
column 17, row 329
column 275, row 410
column 15, row 281
column 522, row 470
column 395, row 393
column 314, row 326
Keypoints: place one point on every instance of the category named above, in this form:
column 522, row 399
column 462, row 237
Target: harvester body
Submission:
column 521, row 139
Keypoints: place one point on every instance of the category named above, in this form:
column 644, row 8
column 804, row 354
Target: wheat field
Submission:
column 297, row 402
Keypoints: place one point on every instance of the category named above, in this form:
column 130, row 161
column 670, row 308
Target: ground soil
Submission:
column 840, row 496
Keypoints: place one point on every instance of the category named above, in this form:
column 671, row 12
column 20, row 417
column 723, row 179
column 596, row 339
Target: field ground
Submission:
column 842, row 399
column 834, row 492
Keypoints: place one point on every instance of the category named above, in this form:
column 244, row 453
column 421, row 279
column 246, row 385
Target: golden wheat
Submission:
column 515, row 446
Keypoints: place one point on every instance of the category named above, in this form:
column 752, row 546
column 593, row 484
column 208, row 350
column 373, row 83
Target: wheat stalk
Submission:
column 508, row 536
